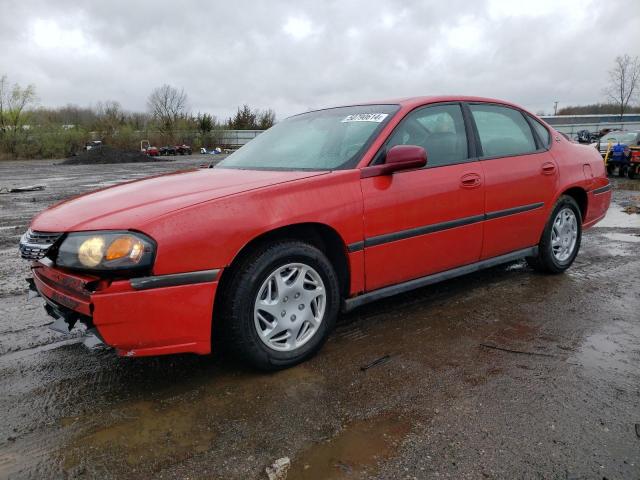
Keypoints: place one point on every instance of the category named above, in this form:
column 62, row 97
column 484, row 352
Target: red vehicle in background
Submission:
column 148, row 149
column 325, row 211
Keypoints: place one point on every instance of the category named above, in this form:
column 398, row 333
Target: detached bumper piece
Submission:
column 66, row 319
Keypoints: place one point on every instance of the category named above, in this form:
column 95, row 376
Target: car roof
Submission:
column 422, row 100
column 409, row 103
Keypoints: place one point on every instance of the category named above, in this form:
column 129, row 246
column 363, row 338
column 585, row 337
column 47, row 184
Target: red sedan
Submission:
column 323, row 212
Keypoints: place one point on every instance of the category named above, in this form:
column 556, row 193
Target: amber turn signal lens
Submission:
column 125, row 246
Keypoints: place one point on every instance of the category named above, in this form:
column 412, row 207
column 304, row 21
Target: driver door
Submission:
column 428, row 220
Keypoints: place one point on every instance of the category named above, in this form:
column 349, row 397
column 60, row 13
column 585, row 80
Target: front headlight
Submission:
column 106, row 251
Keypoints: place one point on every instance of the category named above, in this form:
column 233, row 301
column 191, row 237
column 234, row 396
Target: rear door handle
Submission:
column 548, row 168
column 470, row 180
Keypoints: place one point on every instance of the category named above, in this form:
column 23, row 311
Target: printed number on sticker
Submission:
column 366, row 117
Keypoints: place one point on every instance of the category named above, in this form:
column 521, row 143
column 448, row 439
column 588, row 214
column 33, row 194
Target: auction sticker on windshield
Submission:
column 366, row 117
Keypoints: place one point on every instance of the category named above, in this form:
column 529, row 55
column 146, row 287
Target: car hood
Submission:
column 133, row 204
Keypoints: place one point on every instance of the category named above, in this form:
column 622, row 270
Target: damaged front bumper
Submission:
column 138, row 317
column 65, row 319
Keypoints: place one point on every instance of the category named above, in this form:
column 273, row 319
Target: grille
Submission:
column 35, row 245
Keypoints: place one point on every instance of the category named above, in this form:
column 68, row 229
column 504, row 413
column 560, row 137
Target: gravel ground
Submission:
column 559, row 398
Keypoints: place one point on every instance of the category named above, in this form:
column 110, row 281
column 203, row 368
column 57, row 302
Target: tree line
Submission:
column 596, row 109
column 29, row 131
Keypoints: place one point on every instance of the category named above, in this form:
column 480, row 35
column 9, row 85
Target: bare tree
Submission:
column 109, row 116
column 15, row 101
column 624, row 82
column 167, row 105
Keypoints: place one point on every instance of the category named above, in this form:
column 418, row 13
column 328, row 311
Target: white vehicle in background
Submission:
column 92, row 144
column 213, row 151
column 631, row 139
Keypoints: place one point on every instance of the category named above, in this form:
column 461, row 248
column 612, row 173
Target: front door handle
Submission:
column 470, row 180
column 548, row 168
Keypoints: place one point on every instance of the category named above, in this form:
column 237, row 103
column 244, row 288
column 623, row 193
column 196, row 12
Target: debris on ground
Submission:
column 632, row 209
column 106, row 154
column 29, row 188
column 278, row 469
column 520, row 352
column 375, row 363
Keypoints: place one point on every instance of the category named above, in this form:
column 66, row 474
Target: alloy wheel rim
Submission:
column 289, row 307
column 564, row 234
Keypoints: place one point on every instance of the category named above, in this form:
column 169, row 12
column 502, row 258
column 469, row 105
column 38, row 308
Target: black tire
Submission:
column 622, row 171
column 631, row 173
column 236, row 315
column 610, row 170
column 545, row 261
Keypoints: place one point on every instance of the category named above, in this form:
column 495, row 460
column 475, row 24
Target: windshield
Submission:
column 322, row 140
column 619, row 137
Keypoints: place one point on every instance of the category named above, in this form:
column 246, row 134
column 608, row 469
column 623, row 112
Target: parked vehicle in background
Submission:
column 629, row 138
column 327, row 210
column 93, row 144
column 147, row 148
column 153, row 151
column 213, row 151
column 585, row 136
column 176, row 150
column 633, row 170
column 168, row 150
column 183, row 149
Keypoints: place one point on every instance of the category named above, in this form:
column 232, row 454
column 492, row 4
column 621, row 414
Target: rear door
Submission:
column 427, row 220
column 520, row 178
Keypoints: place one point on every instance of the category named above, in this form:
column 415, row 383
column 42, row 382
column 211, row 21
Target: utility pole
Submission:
column 555, row 107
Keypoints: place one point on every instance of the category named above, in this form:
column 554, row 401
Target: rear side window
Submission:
column 439, row 129
column 541, row 130
column 503, row 131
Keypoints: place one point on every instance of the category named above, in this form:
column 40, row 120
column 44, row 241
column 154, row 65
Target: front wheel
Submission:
column 560, row 241
column 280, row 305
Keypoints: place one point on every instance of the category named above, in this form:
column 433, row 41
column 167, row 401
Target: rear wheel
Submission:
column 280, row 305
column 560, row 241
column 631, row 173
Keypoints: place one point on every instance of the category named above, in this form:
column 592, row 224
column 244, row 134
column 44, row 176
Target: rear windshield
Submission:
column 328, row 139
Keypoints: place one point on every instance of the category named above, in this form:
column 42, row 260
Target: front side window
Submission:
column 439, row 129
column 503, row 131
column 322, row 140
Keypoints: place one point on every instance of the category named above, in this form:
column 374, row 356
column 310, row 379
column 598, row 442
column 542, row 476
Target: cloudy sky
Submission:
column 296, row 55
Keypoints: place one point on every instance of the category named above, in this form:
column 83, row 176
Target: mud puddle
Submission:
column 185, row 421
column 618, row 218
column 623, row 237
column 354, row 452
column 614, row 349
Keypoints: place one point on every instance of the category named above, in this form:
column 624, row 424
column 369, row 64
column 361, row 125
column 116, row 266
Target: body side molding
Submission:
column 174, row 279
column 600, row 190
column 437, row 227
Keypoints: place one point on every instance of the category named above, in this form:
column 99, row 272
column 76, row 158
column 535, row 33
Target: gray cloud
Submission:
column 293, row 56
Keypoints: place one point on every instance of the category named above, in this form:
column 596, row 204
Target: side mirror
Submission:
column 400, row 157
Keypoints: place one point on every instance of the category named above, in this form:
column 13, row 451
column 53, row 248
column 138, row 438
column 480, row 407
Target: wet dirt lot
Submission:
column 502, row 374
